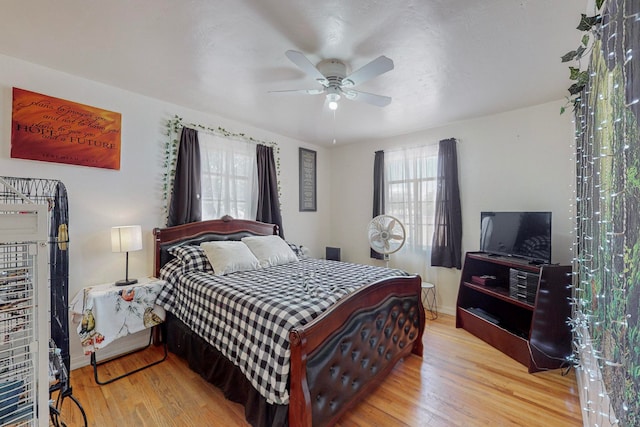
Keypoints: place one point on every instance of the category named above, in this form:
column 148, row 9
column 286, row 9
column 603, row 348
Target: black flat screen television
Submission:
column 524, row 235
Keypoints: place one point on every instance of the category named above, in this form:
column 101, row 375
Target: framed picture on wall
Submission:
column 307, row 184
column 51, row 129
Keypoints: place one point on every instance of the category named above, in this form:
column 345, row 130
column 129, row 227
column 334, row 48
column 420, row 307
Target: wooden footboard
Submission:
column 346, row 352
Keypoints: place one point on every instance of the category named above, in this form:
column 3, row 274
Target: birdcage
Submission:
column 34, row 269
column 23, row 315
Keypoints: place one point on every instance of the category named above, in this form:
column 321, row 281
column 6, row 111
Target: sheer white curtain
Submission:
column 229, row 177
column 410, row 176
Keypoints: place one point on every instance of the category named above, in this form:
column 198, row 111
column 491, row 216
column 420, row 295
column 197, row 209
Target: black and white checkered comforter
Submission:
column 247, row 316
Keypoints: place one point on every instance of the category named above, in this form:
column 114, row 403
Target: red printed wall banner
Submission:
column 55, row 130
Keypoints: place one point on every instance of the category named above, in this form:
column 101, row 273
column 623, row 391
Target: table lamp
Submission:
column 126, row 238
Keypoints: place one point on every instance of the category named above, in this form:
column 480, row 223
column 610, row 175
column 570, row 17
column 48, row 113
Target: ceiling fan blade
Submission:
column 378, row 66
column 305, row 65
column 369, row 98
column 307, row 91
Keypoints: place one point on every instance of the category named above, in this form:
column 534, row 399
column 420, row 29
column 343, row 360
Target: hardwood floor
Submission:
column 460, row 381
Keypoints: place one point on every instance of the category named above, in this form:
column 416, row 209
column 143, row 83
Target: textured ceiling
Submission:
column 454, row 59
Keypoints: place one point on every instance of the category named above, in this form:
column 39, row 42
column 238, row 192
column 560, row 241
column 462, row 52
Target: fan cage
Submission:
column 386, row 229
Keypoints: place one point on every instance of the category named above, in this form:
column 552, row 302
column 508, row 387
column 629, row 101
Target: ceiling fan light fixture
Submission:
column 336, row 79
column 333, row 99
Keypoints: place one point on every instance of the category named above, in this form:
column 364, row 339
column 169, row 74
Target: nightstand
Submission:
column 429, row 299
column 108, row 312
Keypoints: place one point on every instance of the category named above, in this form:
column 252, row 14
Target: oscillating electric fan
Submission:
column 386, row 235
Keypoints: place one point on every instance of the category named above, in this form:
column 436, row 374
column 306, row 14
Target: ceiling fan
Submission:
column 332, row 76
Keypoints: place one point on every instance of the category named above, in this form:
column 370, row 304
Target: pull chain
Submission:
column 334, row 126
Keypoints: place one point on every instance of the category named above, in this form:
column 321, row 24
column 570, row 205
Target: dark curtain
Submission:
column 268, row 201
column 447, row 236
column 378, row 192
column 185, row 204
column 59, row 272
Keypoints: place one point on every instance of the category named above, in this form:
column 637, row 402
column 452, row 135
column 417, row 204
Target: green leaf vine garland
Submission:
column 590, row 25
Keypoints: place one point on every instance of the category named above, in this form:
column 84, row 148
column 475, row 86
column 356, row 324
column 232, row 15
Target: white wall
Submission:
column 519, row 160
column 102, row 198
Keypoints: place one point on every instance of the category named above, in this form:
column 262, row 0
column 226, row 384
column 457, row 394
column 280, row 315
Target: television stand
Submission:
column 483, row 314
column 524, row 313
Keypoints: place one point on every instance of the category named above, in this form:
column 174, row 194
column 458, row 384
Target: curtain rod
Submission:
column 416, row 146
column 223, row 132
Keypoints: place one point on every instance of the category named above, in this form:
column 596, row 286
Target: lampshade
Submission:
column 126, row 238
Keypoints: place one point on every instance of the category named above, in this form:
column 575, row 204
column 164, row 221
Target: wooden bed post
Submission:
column 418, row 345
column 299, row 396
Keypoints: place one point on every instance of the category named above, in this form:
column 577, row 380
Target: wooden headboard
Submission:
column 195, row 233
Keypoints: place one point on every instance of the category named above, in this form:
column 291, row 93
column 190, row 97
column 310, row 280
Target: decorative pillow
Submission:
column 229, row 256
column 270, row 250
column 171, row 270
column 192, row 257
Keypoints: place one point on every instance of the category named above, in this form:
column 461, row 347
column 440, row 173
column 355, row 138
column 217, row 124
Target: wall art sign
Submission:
column 307, row 162
column 55, row 130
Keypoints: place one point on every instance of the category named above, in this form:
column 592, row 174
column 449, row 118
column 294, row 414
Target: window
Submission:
column 229, row 177
column 411, row 178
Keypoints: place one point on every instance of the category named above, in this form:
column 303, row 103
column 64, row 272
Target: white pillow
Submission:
column 270, row 250
column 229, row 256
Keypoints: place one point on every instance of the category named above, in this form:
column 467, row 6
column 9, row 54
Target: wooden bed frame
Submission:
column 345, row 352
